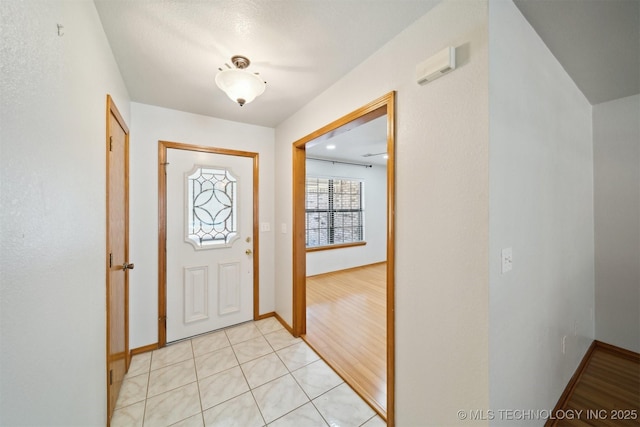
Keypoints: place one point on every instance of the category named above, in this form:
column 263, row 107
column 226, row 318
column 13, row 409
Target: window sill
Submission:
column 336, row 246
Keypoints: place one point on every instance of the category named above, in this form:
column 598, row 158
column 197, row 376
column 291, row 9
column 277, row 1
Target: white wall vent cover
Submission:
column 438, row 65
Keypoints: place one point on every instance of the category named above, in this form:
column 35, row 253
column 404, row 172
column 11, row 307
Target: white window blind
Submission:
column 334, row 211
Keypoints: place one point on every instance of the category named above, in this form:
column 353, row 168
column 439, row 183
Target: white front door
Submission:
column 209, row 242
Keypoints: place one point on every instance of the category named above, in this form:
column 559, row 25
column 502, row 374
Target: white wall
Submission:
column 616, row 149
column 149, row 125
column 52, row 216
column 375, row 219
column 442, row 208
column 541, row 205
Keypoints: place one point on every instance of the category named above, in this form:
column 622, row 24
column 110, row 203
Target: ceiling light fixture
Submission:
column 240, row 85
column 331, row 147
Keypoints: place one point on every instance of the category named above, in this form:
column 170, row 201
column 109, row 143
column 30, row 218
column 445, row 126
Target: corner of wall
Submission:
column 541, row 206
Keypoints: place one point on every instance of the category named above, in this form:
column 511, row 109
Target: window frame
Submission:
column 331, row 211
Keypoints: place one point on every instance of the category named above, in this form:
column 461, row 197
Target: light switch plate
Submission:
column 507, row 260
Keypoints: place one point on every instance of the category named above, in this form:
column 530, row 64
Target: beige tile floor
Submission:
column 251, row 375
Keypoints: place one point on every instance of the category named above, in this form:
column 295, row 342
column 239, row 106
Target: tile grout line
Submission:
column 289, row 371
column 249, row 385
column 374, row 415
column 144, row 412
column 281, row 376
column 193, row 354
column 322, row 394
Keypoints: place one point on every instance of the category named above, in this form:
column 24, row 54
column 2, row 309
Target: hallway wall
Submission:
column 442, row 205
column 541, row 206
column 616, row 149
column 52, row 221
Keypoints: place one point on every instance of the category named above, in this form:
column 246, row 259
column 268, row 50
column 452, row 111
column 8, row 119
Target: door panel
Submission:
column 196, row 299
column 117, row 253
column 209, row 264
column 229, row 288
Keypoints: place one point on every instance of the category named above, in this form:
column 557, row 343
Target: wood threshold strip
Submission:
column 575, row 381
column 348, row 379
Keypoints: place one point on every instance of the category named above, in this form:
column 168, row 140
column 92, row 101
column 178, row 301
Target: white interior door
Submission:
column 209, row 242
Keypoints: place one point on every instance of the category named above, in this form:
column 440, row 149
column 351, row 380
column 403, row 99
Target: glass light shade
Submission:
column 241, row 86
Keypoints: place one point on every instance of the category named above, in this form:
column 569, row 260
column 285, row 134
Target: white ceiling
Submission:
column 169, row 51
column 364, row 144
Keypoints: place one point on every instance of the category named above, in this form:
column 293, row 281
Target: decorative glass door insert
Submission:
column 211, row 206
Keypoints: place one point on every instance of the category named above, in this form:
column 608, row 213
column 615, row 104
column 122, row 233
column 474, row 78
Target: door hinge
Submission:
column 110, row 143
column 111, row 377
column 110, row 259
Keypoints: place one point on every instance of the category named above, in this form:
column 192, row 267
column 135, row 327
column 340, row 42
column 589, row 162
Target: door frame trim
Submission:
column 383, row 105
column 112, row 111
column 162, row 226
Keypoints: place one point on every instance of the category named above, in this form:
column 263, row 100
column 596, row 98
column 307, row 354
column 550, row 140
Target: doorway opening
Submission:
column 306, row 217
column 217, row 186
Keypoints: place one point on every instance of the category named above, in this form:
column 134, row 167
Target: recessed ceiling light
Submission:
column 331, row 147
column 386, row 156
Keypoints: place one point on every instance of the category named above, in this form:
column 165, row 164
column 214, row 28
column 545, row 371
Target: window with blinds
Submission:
column 334, row 211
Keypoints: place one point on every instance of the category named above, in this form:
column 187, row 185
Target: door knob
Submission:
column 248, row 252
column 127, row 266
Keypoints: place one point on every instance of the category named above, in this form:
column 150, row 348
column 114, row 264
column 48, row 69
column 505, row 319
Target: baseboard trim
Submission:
column 622, row 352
column 283, row 323
column 154, row 346
column 265, row 316
column 144, row 349
column 573, row 382
column 357, row 267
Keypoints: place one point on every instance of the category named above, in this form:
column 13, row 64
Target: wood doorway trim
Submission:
column 377, row 108
column 116, row 253
column 162, row 227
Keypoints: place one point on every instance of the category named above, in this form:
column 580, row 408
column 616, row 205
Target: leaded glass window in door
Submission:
column 211, row 215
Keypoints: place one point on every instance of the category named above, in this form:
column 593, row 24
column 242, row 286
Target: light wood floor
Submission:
column 607, row 390
column 346, row 324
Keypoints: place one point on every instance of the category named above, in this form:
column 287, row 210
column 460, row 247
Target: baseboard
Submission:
column 278, row 318
column 622, row 352
column 144, row 349
column 265, row 316
column 285, row 324
column 344, row 270
column 573, row 382
column 154, row 346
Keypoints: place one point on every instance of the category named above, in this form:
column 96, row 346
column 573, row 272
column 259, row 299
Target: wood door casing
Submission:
column 163, row 146
column 117, row 253
column 377, row 108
